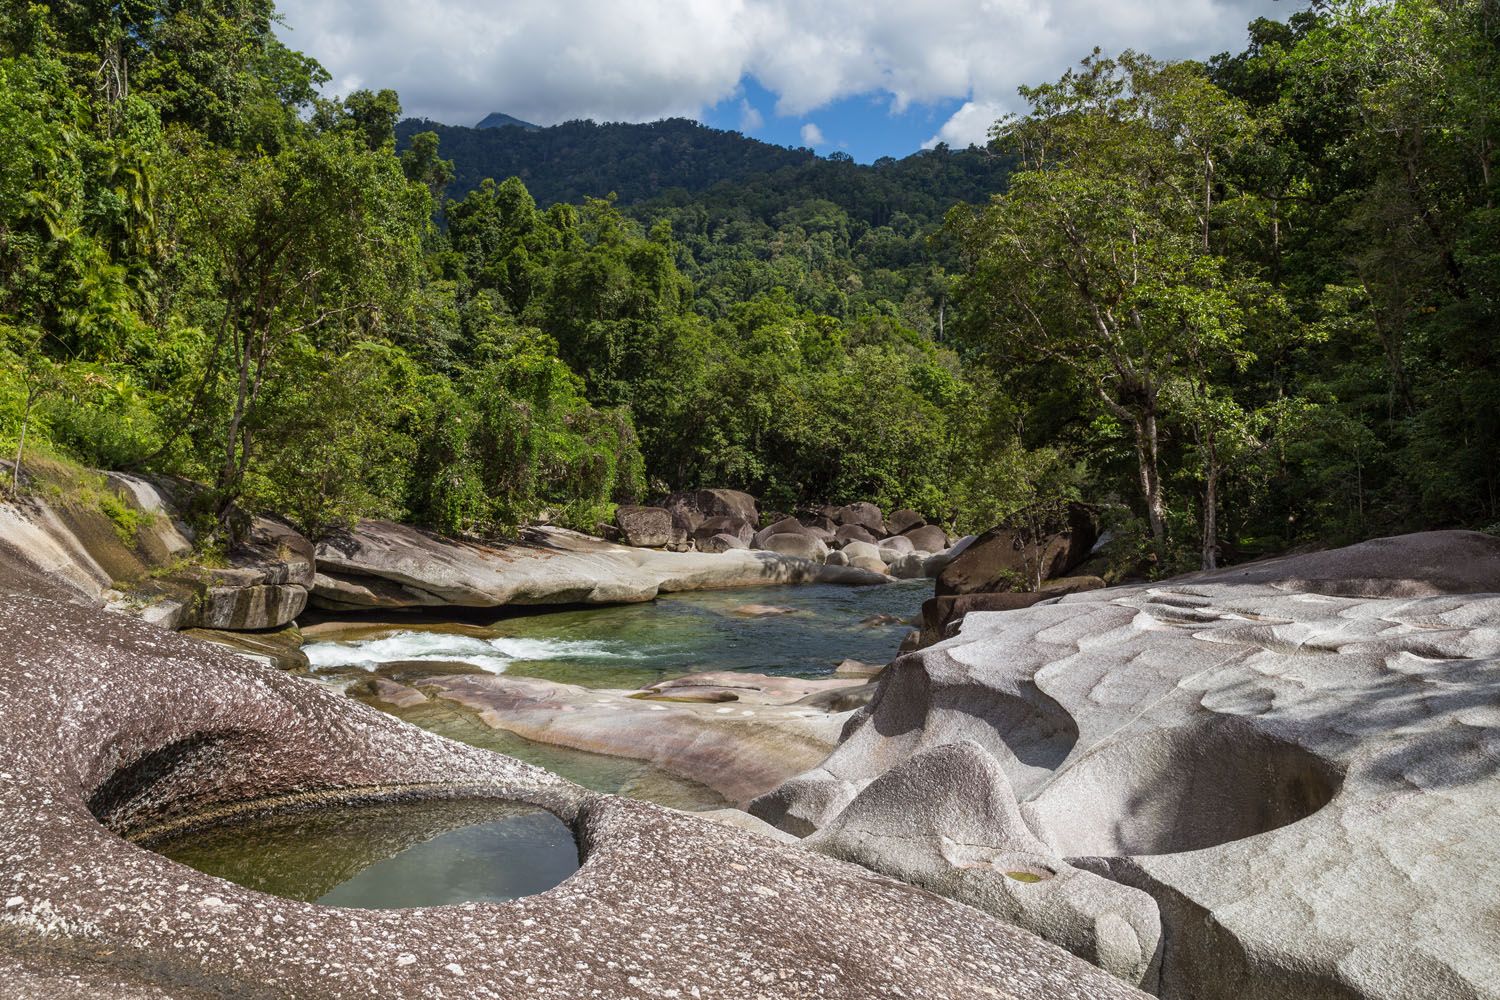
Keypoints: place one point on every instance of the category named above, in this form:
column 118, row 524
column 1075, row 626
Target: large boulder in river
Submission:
column 1016, row 559
column 694, row 507
column 114, row 733
column 722, row 543
column 927, row 538
column 853, row 533
column 902, row 521
column 800, row 545
column 1297, row 761
column 647, row 527
column 865, row 515
column 736, row 526
column 782, row 526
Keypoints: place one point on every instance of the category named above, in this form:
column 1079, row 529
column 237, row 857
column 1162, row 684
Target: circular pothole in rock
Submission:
column 388, row 856
column 1182, row 789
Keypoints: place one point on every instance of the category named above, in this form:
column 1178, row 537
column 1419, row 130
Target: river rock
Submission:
column 647, row 527
column 737, row 526
column 837, row 558
column 861, row 550
column 902, row 521
column 722, row 543
column 852, row 533
column 113, row 732
column 870, row 564
column 151, row 573
column 1012, row 559
column 378, row 564
column 1298, row 761
column 819, row 525
column 854, row 668
column 896, row 545
column 740, row 748
column 864, row 515
column 905, row 565
column 694, row 507
column 926, row 538
column 802, row 546
column 781, row 526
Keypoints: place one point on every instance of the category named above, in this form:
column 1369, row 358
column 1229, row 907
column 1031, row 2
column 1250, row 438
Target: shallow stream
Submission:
column 436, row 853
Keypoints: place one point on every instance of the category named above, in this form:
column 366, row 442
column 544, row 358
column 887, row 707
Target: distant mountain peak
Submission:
column 496, row 119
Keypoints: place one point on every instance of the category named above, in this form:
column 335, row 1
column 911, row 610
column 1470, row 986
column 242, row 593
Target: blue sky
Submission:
column 864, row 126
column 867, row 77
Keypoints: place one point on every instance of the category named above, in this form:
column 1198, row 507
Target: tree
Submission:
column 1097, row 259
column 315, row 244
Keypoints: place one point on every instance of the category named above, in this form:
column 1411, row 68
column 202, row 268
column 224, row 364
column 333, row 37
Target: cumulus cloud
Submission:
column 551, row 60
column 813, row 136
column 750, row 117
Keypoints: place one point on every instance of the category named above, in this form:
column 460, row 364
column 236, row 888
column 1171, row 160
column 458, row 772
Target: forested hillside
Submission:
column 1238, row 306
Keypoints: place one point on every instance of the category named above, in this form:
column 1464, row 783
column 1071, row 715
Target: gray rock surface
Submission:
column 865, row 515
column 379, row 564
column 847, row 533
column 151, row 573
column 693, row 507
column 782, row 526
column 737, row 526
column 722, row 543
column 902, row 521
column 1297, row 760
column 647, row 527
column 802, row 546
column 927, row 538
column 113, row 731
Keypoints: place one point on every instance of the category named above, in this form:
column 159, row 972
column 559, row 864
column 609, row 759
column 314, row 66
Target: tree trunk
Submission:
column 1146, row 448
column 1211, row 505
column 15, row 476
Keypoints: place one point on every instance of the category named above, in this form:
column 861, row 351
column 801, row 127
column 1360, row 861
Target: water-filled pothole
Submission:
column 388, row 856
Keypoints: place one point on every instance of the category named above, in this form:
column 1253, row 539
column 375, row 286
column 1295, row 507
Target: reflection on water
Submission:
column 388, row 856
column 634, row 645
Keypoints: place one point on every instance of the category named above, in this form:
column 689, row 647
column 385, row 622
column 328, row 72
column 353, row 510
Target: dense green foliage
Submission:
column 1257, row 299
column 208, row 270
column 1239, row 305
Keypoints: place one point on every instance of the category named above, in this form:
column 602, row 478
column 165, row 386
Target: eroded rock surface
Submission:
column 111, row 728
column 1298, row 761
column 379, row 564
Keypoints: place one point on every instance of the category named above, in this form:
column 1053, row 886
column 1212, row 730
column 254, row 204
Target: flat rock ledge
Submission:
column 378, row 564
column 111, row 729
column 1278, row 780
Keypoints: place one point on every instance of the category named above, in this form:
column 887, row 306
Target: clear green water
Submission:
column 428, row 854
column 388, row 856
column 631, row 646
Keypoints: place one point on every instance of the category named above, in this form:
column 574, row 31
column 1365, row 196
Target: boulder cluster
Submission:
column 1008, row 568
column 860, row 535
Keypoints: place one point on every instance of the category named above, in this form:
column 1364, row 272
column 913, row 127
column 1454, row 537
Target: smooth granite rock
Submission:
column 151, row 572
column 378, row 564
column 1297, row 760
column 113, row 732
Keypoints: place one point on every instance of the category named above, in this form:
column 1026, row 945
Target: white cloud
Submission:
column 970, row 124
column 551, row 60
column 750, row 118
column 813, row 136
